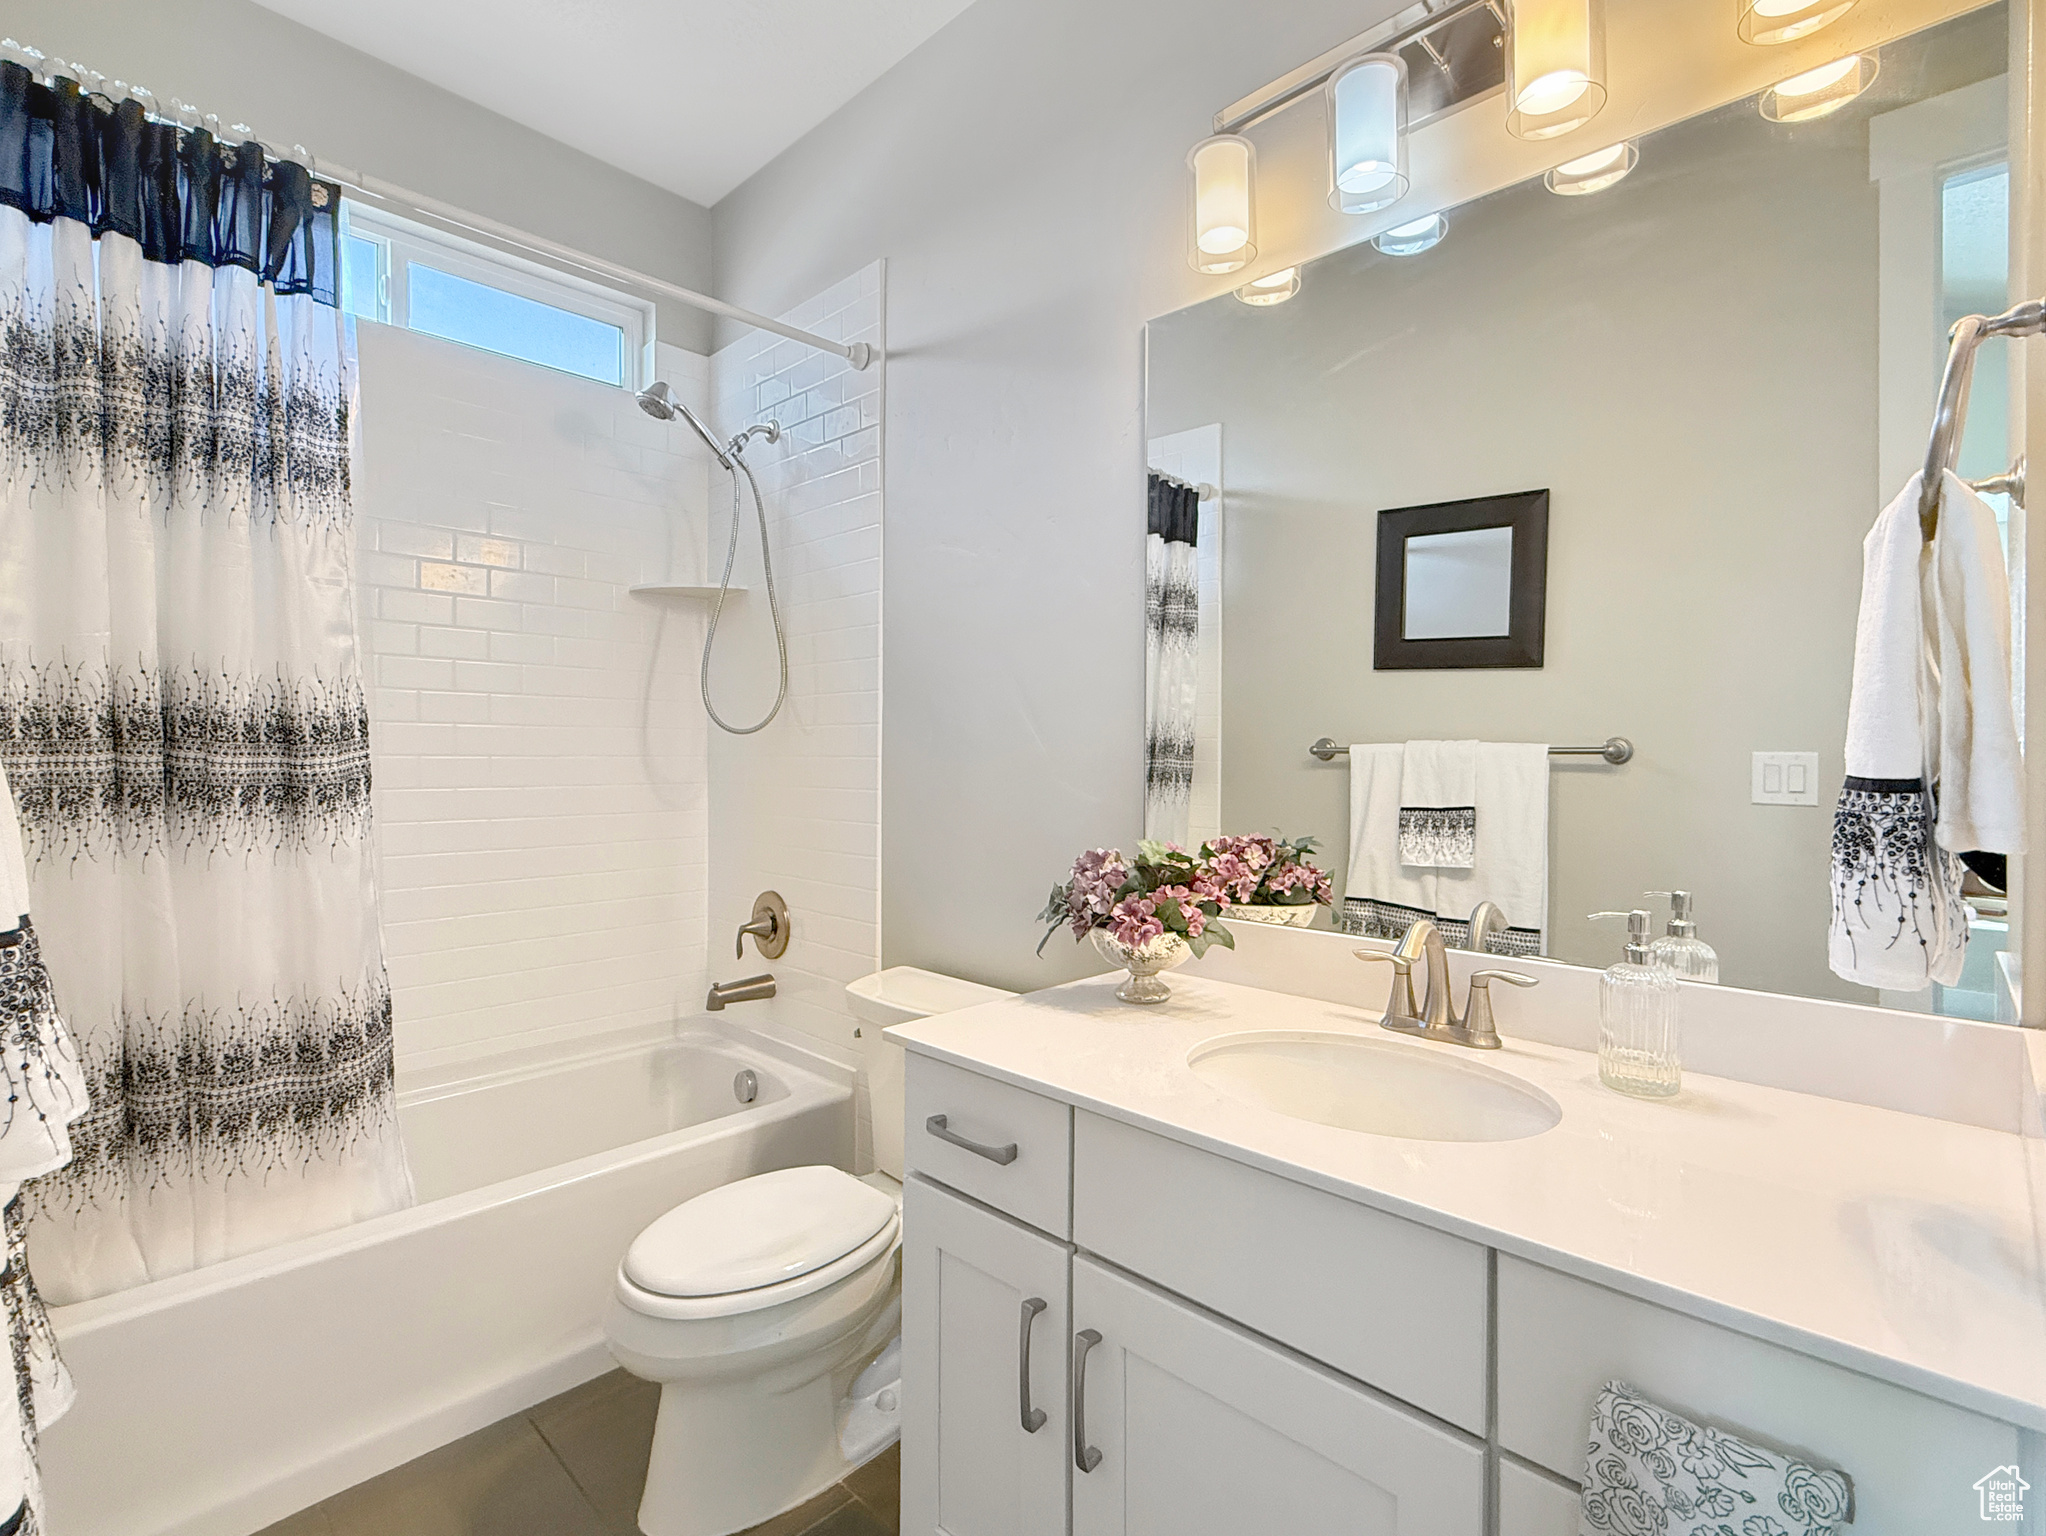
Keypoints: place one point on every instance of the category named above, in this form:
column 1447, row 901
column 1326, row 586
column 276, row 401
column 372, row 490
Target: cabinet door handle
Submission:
column 1033, row 1418
column 1004, row 1154
column 1085, row 1456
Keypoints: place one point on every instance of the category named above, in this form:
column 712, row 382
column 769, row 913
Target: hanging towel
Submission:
column 1382, row 895
column 1933, row 765
column 1511, row 783
column 1648, row 1469
column 45, row 1079
column 1438, row 805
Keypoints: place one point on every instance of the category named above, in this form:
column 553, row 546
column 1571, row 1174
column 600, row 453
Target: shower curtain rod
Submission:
column 859, row 353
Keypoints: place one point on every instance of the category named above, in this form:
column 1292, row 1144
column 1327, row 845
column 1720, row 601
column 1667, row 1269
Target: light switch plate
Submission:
column 1786, row 778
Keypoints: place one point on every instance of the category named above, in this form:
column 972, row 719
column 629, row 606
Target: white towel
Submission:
column 45, row 1080
column 1382, row 896
column 1438, row 805
column 1648, row 1469
column 1930, row 710
column 1512, row 871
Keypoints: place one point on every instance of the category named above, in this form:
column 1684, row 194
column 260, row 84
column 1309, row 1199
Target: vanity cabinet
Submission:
column 985, row 1340
column 1185, row 1426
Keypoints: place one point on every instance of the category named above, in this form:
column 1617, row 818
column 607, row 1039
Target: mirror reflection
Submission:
column 1721, row 363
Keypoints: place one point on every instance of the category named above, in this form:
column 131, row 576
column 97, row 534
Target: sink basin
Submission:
column 1378, row 1086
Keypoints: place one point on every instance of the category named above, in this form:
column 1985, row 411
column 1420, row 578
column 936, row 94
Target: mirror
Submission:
column 1717, row 370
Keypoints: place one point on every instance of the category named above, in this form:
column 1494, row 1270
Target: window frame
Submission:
column 401, row 241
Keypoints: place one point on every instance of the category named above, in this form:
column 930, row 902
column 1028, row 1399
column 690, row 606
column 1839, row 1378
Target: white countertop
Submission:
column 1898, row 1245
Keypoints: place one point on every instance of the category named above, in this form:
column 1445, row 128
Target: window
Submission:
column 404, row 273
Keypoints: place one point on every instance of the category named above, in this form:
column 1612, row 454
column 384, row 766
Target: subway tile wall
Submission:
column 542, row 784
column 797, row 807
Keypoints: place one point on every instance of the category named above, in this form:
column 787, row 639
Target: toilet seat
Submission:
column 737, row 1303
column 756, row 1232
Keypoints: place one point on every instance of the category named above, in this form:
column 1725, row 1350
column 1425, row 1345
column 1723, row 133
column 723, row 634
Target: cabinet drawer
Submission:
column 1532, row 1503
column 1388, row 1301
column 1182, row 1424
column 1913, row 1460
column 1004, row 1145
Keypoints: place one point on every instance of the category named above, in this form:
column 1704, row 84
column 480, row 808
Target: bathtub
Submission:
column 214, row 1403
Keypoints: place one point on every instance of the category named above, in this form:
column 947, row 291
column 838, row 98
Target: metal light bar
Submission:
column 1414, row 25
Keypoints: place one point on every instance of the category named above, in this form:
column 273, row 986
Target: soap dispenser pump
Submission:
column 1680, row 948
column 1637, row 1019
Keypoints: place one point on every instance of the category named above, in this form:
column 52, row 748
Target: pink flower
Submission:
column 1196, row 919
column 1097, row 876
column 1234, row 874
column 1133, row 922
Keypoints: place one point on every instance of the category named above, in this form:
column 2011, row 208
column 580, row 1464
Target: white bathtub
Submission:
column 214, row 1403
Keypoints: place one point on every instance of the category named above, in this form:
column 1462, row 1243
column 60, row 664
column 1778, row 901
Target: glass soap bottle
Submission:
column 1637, row 1019
column 1680, row 948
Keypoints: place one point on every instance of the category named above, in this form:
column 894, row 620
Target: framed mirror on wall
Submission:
column 1717, row 368
column 1462, row 583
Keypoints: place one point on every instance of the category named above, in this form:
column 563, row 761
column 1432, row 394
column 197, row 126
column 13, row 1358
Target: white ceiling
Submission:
column 692, row 95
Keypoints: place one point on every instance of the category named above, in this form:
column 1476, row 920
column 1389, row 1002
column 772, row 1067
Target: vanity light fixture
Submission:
column 1817, row 92
column 1785, row 21
column 1273, row 288
column 1367, row 133
column 1593, row 172
column 1224, row 203
column 1555, row 66
column 1412, row 239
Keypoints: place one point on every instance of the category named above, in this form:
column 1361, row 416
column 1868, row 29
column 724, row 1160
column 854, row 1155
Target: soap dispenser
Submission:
column 1637, row 1019
column 1680, row 948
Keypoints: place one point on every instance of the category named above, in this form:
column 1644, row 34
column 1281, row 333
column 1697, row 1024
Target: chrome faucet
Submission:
column 1486, row 920
column 753, row 989
column 1435, row 1018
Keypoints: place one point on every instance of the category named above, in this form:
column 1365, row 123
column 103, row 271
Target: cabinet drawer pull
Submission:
column 1033, row 1418
column 1085, row 1456
column 1004, row 1154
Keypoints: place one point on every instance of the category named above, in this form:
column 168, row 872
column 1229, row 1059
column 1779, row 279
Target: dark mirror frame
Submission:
column 1527, row 514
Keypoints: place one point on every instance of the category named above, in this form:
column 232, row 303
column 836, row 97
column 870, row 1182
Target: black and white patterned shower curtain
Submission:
column 182, row 714
column 1172, row 638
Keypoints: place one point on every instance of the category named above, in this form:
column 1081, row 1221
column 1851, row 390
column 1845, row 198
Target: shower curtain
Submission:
column 1172, row 635
column 182, row 715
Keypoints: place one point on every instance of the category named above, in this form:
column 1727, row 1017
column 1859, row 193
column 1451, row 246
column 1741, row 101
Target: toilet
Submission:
column 756, row 1304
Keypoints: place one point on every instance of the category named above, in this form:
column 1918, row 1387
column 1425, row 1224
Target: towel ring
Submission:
column 2028, row 319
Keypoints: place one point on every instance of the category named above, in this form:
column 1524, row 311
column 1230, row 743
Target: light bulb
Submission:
column 1224, row 233
column 1816, row 92
column 1367, row 122
column 1593, row 172
column 1555, row 66
column 1413, row 238
column 1769, row 22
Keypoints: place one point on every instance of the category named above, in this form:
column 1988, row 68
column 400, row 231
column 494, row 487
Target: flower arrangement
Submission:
column 1267, row 872
column 1163, row 890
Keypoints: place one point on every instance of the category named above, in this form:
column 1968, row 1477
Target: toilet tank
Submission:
column 896, row 996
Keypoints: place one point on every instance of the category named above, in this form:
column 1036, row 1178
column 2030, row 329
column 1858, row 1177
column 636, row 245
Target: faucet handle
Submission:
column 1402, row 982
column 1478, row 1023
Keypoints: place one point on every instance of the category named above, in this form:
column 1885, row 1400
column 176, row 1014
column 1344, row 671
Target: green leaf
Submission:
column 1217, row 934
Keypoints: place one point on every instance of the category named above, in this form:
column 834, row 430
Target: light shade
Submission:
column 1367, row 133
column 1785, row 21
column 1555, row 66
column 1224, row 204
column 1817, row 92
column 1273, row 288
column 1593, row 172
column 1412, row 239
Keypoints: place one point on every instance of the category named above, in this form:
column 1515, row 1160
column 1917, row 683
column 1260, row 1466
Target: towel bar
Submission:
column 1615, row 750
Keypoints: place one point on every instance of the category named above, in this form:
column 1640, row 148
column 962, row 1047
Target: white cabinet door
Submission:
column 983, row 1318
column 1184, row 1426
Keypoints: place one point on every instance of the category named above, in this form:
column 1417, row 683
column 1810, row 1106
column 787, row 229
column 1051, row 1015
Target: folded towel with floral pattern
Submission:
column 1650, row 1472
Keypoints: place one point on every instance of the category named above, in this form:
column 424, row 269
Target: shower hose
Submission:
column 781, row 640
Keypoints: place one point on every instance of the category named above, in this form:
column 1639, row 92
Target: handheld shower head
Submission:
column 659, row 402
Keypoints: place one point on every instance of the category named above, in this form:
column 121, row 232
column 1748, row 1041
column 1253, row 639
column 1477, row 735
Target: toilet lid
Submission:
column 755, row 1232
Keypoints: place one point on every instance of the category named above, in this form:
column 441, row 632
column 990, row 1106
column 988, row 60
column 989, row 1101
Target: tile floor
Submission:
column 572, row 1466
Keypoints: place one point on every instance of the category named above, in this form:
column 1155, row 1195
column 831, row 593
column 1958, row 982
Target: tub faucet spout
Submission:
column 751, row 990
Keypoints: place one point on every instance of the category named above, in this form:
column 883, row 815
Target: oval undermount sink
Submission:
column 1378, row 1086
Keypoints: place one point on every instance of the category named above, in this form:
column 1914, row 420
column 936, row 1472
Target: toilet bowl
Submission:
column 754, row 1306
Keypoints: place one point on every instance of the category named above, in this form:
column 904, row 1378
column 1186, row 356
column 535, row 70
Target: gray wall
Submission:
column 1022, row 173
column 295, row 86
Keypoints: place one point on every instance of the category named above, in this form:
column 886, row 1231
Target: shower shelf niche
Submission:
column 683, row 589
